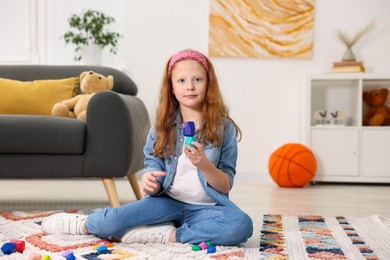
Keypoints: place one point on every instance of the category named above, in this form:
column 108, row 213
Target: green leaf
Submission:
column 90, row 27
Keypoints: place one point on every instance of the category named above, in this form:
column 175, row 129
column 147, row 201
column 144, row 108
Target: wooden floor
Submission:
column 256, row 194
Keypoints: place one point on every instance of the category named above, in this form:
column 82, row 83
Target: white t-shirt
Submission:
column 186, row 186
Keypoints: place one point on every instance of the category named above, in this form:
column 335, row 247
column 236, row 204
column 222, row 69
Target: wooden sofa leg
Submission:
column 134, row 185
column 109, row 185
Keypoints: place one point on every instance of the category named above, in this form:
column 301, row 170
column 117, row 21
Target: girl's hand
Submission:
column 196, row 156
column 150, row 185
column 214, row 176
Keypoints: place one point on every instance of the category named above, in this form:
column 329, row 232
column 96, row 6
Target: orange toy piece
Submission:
column 292, row 165
column 378, row 113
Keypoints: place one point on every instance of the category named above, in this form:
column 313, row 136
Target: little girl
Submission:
column 185, row 188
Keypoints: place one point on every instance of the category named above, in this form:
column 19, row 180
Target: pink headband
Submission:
column 188, row 54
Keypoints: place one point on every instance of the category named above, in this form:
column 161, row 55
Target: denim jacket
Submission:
column 223, row 157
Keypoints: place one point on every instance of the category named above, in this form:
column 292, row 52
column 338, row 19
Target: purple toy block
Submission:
column 189, row 128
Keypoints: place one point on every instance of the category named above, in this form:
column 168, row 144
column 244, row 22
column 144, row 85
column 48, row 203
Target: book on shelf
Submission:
column 345, row 69
column 348, row 66
column 347, row 63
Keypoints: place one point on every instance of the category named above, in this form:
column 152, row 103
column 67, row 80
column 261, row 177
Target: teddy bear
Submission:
column 76, row 107
column 378, row 113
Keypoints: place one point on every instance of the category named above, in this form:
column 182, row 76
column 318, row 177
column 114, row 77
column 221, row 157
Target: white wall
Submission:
column 264, row 95
column 58, row 13
column 16, row 50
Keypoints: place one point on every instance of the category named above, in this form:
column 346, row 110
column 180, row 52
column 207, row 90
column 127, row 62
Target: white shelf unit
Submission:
column 348, row 152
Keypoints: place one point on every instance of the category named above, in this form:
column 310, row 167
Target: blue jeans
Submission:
column 221, row 225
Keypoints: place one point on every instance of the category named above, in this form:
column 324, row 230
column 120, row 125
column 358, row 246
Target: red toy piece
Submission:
column 20, row 245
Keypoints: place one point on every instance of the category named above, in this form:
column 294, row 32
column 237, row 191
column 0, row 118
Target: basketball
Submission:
column 292, row 165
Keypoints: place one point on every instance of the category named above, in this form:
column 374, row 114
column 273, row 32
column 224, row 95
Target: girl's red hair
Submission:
column 213, row 114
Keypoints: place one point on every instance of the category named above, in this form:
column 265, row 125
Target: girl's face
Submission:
column 189, row 84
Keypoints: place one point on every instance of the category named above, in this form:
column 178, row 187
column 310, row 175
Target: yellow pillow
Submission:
column 34, row 97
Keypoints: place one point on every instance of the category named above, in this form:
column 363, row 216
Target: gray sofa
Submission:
column 108, row 145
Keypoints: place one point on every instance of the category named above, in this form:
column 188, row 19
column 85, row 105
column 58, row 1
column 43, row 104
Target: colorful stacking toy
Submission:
column 204, row 246
column 189, row 132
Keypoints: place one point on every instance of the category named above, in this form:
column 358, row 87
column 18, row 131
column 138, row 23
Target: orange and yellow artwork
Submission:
column 261, row 28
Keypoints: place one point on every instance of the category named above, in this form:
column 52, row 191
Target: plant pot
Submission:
column 91, row 55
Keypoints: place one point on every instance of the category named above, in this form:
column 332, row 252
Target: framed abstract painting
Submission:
column 261, row 28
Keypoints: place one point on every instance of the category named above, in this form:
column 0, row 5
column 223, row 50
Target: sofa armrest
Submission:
column 116, row 133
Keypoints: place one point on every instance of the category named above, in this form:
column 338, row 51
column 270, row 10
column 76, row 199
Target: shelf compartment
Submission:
column 335, row 95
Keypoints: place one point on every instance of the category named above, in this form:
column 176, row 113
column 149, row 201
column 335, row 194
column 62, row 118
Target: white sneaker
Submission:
column 149, row 234
column 63, row 223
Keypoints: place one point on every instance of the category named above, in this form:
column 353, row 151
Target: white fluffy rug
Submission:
column 25, row 226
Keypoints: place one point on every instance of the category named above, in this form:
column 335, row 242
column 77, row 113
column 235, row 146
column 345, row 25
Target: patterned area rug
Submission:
column 316, row 237
column 25, row 226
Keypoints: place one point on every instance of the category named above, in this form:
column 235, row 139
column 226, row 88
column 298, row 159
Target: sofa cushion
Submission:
column 34, row 97
column 23, row 134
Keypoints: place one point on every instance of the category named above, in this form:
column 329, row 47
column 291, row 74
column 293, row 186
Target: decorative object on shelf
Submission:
column 323, row 117
column 348, row 66
column 378, row 112
column 350, row 42
column 90, row 36
column 292, row 165
column 338, row 117
column 320, row 117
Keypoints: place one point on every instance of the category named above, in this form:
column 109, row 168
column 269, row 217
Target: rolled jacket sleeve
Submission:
column 152, row 162
column 229, row 151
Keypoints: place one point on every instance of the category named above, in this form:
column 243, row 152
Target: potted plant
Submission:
column 88, row 31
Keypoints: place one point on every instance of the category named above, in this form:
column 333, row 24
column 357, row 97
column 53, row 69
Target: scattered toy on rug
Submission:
column 212, row 249
column 204, row 246
column 68, row 255
column 38, row 256
column 103, row 249
column 103, row 246
column 8, row 248
column 35, row 256
column 13, row 246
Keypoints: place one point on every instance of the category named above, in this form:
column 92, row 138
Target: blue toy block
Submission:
column 8, row 248
column 70, row 257
column 101, row 248
column 211, row 249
